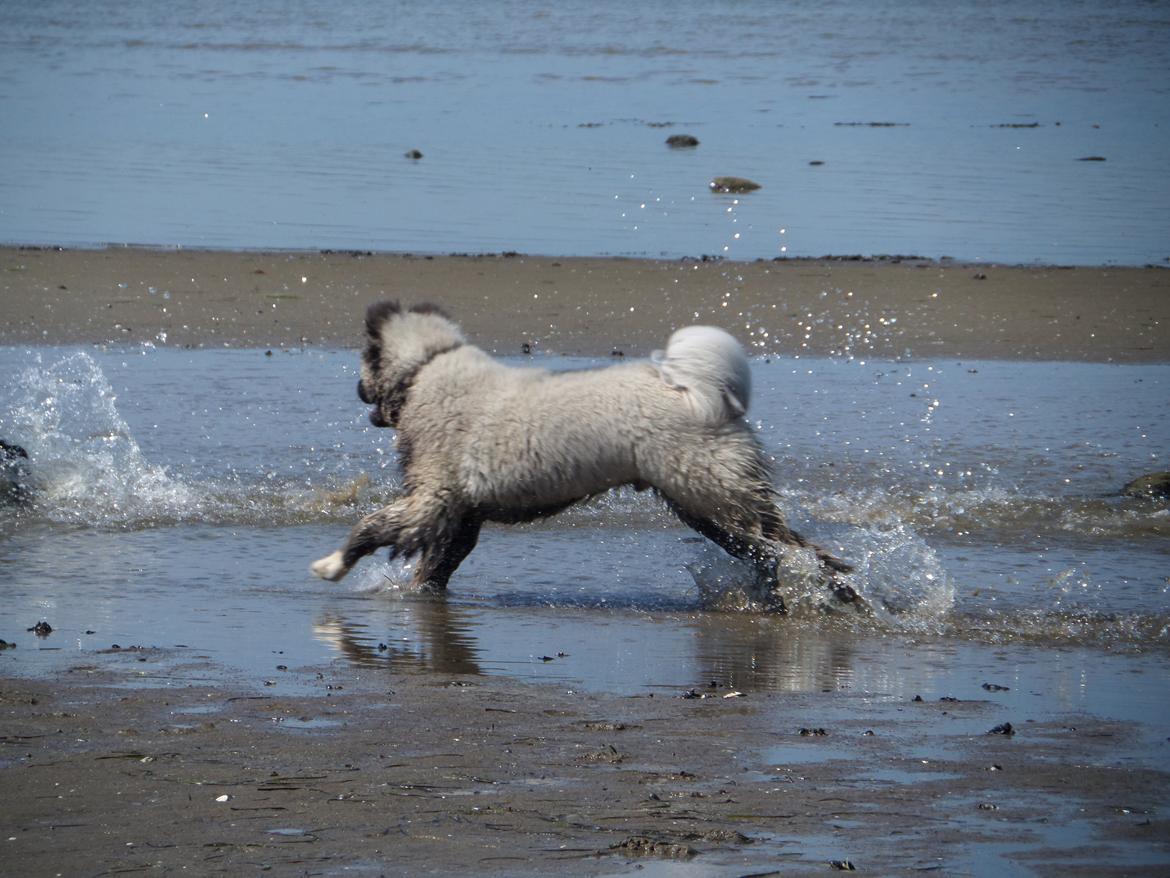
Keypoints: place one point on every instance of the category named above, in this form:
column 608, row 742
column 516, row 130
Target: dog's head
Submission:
column 398, row 344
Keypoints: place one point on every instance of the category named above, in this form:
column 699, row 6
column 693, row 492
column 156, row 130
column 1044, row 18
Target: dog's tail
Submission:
column 710, row 368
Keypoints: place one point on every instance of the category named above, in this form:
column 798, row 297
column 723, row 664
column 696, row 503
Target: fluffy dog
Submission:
column 482, row 441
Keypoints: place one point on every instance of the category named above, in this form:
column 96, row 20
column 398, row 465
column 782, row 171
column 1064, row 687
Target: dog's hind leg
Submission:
column 739, row 544
column 748, row 525
column 443, row 555
column 775, row 529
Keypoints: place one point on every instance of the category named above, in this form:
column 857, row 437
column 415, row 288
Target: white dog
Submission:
column 482, row 441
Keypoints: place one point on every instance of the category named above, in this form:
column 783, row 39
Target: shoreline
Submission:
column 884, row 308
column 891, row 258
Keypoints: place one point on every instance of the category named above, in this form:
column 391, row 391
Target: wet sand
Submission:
column 589, row 306
column 157, row 760
column 336, row 770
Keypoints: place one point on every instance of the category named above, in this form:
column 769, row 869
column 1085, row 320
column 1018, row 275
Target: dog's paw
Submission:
column 331, row 567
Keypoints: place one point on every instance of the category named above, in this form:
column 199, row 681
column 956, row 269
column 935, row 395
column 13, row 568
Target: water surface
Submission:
column 181, row 494
column 874, row 127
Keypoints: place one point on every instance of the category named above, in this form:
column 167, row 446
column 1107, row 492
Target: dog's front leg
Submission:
column 442, row 557
column 381, row 528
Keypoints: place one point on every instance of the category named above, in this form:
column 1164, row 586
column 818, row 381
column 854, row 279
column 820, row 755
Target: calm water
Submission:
column 542, row 126
column 182, row 494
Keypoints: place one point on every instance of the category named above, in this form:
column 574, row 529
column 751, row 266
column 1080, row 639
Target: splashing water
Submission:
column 88, row 469
column 900, row 579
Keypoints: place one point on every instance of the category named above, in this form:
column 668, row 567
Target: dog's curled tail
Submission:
column 710, row 368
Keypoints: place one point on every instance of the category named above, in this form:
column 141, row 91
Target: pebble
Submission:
column 733, row 185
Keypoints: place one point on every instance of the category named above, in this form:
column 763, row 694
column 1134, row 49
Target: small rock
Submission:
column 1003, row 729
column 816, row 163
column 734, row 185
column 1092, row 158
column 641, row 846
column 813, row 733
column 14, row 473
column 723, row 836
column 413, row 154
column 42, row 629
column 682, row 141
column 1152, row 485
column 842, row 865
column 995, row 687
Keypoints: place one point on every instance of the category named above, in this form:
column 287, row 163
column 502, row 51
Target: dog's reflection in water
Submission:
column 441, row 640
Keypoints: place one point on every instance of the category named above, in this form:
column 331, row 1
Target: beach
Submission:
column 371, row 774
column 153, row 757
column 577, row 306
column 946, row 259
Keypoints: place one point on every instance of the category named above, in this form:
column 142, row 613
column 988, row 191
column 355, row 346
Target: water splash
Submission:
column 87, row 468
column 900, row 578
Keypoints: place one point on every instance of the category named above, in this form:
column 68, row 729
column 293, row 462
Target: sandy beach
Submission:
column 197, row 206
column 155, row 761
column 121, row 766
column 587, row 306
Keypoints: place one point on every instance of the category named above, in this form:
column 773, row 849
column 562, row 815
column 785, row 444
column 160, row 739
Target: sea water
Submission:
column 1010, row 130
column 179, row 496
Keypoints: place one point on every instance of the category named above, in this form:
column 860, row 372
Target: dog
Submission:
column 481, row 441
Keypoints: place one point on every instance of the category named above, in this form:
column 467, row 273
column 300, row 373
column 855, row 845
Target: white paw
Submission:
column 331, row 567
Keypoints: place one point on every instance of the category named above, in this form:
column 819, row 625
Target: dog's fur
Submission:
column 482, row 441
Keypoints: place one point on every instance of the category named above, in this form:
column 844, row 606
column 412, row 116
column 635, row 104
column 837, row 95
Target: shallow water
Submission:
column 940, row 130
column 181, row 494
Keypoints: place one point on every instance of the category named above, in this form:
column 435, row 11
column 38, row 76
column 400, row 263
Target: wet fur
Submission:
column 482, row 441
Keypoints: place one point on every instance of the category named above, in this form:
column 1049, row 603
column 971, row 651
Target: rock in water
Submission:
column 735, row 185
column 13, row 473
column 681, row 141
column 1153, row 485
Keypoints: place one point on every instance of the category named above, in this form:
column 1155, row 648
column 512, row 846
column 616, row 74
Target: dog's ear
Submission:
column 379, row 313
column 429, row 308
